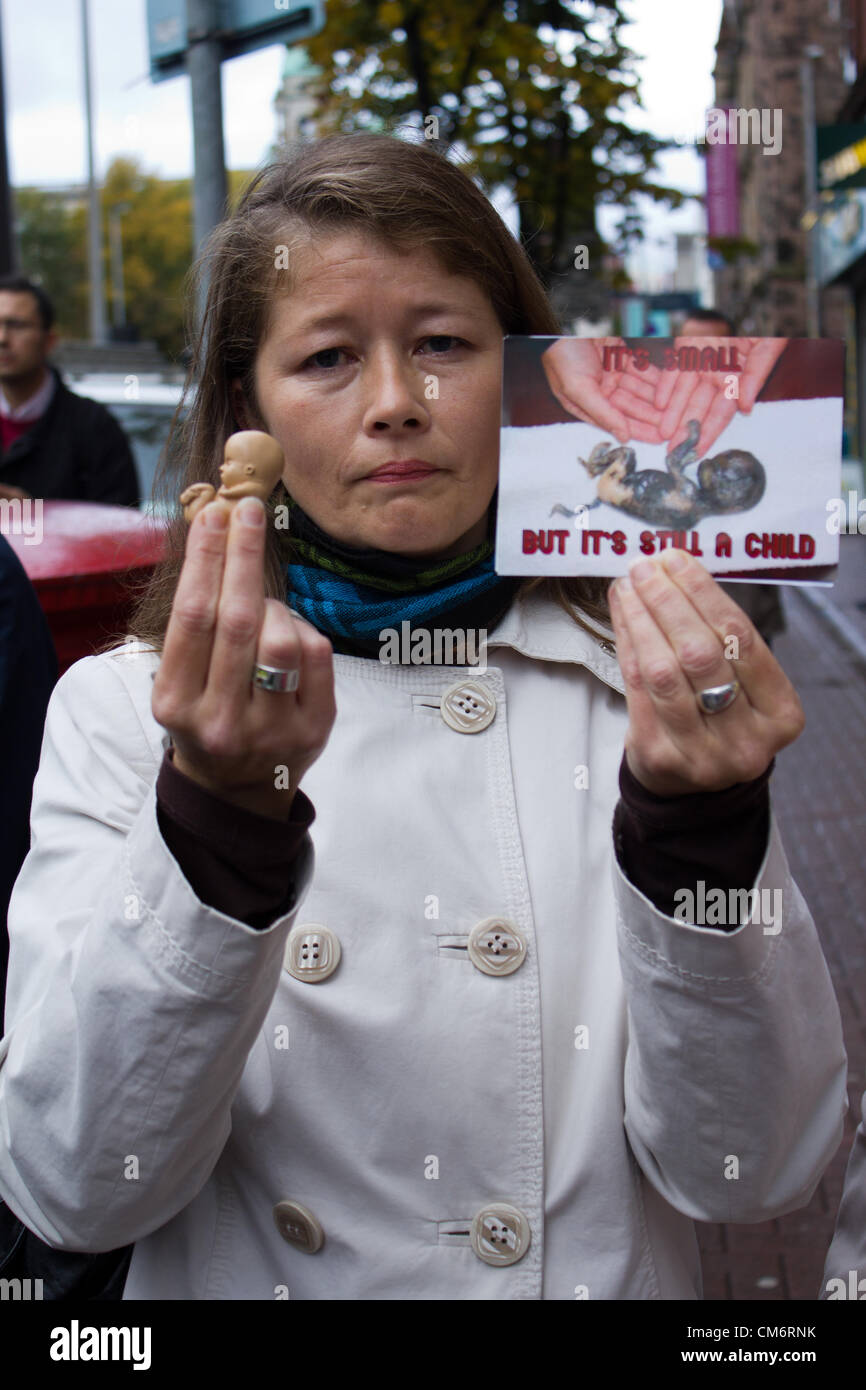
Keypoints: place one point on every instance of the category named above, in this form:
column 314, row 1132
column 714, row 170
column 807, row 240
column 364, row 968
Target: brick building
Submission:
column 760, row 57
column 782, row 56
column 842, row 230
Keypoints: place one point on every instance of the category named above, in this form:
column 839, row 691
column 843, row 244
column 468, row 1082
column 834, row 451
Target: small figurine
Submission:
column 252, row 466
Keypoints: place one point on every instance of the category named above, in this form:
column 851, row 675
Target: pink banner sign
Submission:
column 723, row 201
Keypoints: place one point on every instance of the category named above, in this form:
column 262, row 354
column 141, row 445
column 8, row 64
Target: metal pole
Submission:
column 94, row 224
column 8, row 248
column 118, row 293
column 203, row 59
column 813, row 294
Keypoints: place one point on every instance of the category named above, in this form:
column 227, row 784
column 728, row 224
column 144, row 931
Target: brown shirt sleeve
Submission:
column 250, row 867
column 667, row 843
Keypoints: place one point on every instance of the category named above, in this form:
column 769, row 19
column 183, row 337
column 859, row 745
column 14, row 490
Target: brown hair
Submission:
column 408, row 196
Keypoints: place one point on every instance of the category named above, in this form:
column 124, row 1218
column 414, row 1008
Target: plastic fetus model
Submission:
column 252, row 466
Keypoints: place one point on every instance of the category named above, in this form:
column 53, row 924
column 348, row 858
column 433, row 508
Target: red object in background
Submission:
column 81, row 568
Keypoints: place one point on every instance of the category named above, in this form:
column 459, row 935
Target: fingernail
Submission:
column 674, row 560
column 251, row 512
column 641, row 570
column 214, row 518
column 623, row 585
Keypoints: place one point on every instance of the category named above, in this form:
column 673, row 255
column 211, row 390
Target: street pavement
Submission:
column 819, row 797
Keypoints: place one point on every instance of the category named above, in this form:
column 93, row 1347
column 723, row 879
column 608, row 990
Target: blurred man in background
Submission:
column 760, row 602
column 28, row 671
column 53, row 443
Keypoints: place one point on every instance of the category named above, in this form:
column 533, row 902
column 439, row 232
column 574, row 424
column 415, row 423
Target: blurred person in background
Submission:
column 28, row 673
column 53, row 443
column 760, row 602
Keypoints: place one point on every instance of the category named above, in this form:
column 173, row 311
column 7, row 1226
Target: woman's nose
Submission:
column 395, row 393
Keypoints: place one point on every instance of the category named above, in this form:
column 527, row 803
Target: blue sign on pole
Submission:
column 244, row 25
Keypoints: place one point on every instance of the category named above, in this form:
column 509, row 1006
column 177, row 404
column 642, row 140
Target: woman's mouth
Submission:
column 402, row 471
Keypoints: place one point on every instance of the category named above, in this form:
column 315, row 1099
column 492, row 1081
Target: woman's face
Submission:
column 379, row 357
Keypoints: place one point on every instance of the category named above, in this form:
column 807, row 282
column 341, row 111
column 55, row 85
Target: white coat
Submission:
column 845, row 1269
column 166, row 1080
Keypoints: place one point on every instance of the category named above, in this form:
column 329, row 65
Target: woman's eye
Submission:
column 447, row 339
column 327, row 358
column 323, row 352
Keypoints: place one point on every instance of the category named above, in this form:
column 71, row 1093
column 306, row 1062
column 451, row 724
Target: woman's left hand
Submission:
column 673, row 628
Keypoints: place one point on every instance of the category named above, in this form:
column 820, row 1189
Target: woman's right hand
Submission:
column 249, row 746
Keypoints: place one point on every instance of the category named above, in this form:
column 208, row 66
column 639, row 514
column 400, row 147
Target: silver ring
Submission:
column 718, row 697
column 272, row 678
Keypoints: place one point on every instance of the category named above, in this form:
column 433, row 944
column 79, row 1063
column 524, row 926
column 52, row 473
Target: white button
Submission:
column 468, row 707
column 500, row 1234
column 496, row 947
column 312, row 953
column 299, row 1227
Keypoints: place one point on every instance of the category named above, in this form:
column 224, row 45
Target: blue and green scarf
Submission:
column 352, row 593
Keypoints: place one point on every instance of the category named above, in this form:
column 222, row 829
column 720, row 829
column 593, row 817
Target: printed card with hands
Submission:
column 727, row 447
column 638, row 399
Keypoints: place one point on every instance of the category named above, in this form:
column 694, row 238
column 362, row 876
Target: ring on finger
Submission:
column 717, row 698
column 275, row 679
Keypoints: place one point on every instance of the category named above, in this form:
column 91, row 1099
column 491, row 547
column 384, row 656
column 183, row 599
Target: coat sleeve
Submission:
column 131, row 1005
column 847, row 1254
column 735, row 1073
column 108, row 469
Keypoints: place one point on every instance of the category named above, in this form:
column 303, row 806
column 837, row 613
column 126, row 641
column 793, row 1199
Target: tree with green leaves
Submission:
column 156, row 232
column 529, row 94
column 156, row 237
column 52, row 243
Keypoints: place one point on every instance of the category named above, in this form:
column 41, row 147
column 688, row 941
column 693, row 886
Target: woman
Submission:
column 463, row 1053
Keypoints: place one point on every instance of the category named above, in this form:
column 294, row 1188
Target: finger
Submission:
column 641, row 387
column 665, row 389
column 575, row 376
column 570, row 357
column 697, row 646
column 760, row 362
column 279, row 645
column 316, row 690
column 635, row 406
column 186, row 651
column 289, row 643
column 587, row 399
column 684, row 388
column 609, row 377
column 764, row 683
column 645, row 434
column 650, row 373
column 719, row 416
column 641, row 712
column 240, row 611
column 696, row 408
column 659, row 673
